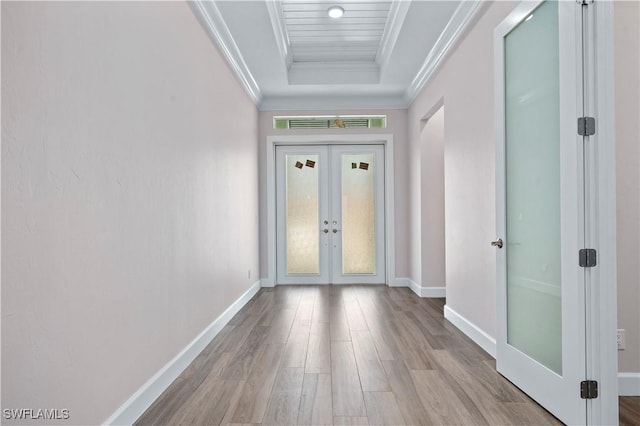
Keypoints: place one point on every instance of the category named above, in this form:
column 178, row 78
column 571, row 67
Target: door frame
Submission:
column 600, row 190
column 338, row 139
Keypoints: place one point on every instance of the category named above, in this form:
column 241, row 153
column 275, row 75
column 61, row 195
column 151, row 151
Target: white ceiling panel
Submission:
column 374, row 56
column 315, row 37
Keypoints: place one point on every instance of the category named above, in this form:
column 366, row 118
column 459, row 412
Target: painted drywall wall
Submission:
column 432, row 190
column 465, row 83
column 396, row 125
column 627, row 108
column 470, row 181
column 129, row 198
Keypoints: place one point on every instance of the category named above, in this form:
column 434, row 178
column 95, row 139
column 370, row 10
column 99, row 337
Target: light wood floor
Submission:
column 343, row 355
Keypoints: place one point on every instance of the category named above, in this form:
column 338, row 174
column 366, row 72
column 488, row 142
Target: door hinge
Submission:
column 587, row 258
column 589, row 389
column 586, row 126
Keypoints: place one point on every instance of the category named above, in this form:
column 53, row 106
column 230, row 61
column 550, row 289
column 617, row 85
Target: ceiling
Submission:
column 290, row 55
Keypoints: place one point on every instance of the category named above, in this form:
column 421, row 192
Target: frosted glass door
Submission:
column 539, row 192
column 358, row 213
column 330, row 214
column 302, row 193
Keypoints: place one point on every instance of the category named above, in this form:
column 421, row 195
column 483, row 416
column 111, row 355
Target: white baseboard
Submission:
column 472, row 331
column 266, row 283
column 436, row 292
column 398, row 282
column 629, row 384
column 140, row 401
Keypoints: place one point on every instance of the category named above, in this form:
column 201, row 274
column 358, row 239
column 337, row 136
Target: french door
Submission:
column 330, row 214
column 540, row 206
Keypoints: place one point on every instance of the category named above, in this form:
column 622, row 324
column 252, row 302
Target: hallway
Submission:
column 342, row 355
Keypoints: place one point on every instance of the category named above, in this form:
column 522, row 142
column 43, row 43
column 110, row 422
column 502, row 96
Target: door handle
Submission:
column 335, row 231
column 325, row 230
column 498, row 243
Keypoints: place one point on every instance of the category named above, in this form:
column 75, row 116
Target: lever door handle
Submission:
column 498, row 243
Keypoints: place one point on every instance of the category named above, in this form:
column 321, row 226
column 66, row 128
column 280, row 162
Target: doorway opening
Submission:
column 432, row 203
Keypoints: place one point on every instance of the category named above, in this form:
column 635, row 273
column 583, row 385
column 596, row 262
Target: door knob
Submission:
column 325, row 230
column 498, row 243
column 335, row 231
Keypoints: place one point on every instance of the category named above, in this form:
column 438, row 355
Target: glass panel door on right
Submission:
column 539, row 204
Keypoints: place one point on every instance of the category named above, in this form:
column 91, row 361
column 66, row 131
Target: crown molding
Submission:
column 211, row 19
column 397, row 14
column 276, row 15
column 332, row 102
column 463, row 17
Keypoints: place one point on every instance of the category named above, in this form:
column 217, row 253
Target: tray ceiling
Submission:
column 291, row 55
column 315, row 37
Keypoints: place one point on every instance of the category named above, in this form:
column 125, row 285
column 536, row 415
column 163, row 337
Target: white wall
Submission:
column 465, row 82
column 129, row 197
column 627, row 107
column 396, row 125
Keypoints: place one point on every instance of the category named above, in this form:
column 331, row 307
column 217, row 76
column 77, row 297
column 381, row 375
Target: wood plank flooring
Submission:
column 345, row 355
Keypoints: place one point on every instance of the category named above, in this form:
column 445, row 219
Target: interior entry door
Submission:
column 330, row 214
column 540, row 206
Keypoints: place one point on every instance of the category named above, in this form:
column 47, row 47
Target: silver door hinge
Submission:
column 586, row 126
column 589, row 389
column 587, row 258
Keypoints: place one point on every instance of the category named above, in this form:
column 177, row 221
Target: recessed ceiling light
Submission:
column 335, row 12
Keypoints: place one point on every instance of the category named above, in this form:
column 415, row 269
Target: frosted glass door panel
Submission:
column 358, row 214
column 357, row 205
column 532, row 152
column 302, row 204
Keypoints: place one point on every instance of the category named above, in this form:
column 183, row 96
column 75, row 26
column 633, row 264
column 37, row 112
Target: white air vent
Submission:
column 330, row 122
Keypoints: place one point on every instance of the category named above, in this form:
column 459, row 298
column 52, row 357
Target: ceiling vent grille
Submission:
column 330, row 122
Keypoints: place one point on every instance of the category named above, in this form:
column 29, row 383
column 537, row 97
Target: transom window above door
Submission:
column 330, row 122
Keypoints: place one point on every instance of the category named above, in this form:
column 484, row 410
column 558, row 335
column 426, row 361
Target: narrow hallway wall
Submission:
column 129, row 198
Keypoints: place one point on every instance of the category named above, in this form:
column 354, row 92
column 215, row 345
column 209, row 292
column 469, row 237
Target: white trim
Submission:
column 602, row 358
column 142, row 399
column 426, row 292
column 274, row 7
column 471, row 330
column 399, row 282
column 395, row 21
column 211, row 19
column 463, row 17
column 364, row 139
column 266, row 283
column 334, row 101
column 629, row 384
